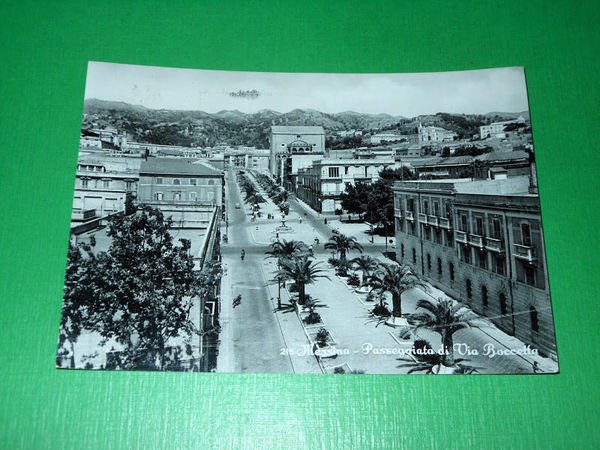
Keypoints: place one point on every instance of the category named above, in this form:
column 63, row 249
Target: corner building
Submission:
column 482, row 243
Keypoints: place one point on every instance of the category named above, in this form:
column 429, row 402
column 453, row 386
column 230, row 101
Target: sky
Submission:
column 409, row 95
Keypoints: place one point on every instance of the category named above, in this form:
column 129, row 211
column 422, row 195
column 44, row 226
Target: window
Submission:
column 482, row 259
column 533, row 317
column 176, row 196
column 334, row 172
column 410, row 204
column 496, row 227
column 530, row 275
column 158, row 196
column 439, row 266
column 436, row 209
column 425, row 206
column 437, row 236
column 193, row 181
column 84, row 184
column 159, row 180
column 428, row 262
column 193, row 196
column 451, row 271
column 402, row 250
column 129, row 185
column 464, row 226
column 466, row 253
column 479, row 226
column 345, row 170
column 499, row 265
column 526, row 234
column 366, row 171
column 176, row 181
column 469, row 286
column 414, row 256
column 211, row 182
column 106, row 183
column 484, row 295
column 502, row 299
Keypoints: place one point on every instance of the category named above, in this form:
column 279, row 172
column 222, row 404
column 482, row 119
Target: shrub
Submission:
column 321, row 337
column 334, row 261
column 353, row 280
column 312, row 318
column 339, row 370
column 381, row 311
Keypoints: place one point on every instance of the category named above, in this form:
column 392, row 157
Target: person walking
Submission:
column 243, row 254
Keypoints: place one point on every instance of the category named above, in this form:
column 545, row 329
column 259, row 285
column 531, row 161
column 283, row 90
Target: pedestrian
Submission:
column 325, row 221
column 237, row 301
column 243, row 254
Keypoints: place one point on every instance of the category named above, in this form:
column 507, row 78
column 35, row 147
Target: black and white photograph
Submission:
column 318, row 223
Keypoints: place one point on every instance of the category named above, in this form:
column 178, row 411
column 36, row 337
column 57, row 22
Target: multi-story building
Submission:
column 186, row 190
column 432, row 134
column 293, row 148
column 102, row 183
column 248, row 158
column 482, row 243
column 322, row 184
column 379, row 138
column 497, row 129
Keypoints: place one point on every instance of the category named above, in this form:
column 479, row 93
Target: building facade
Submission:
column 431, row 134
column 293, row 148
column 482, row 243
column 186, row 190
column 102, row 184
column 497, row 129
column 322, row 184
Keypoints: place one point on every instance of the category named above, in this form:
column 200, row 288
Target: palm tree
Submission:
column 366, row 264
column 446, row 317
column 396, row 280
column 286, row 249
column 342, row 244
column 302, row 271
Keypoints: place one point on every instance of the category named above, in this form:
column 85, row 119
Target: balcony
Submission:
column 494, row 245
column 423, row 218
column 433, row 220
column 525, row 252
column 398, row 213
column 461, row 236
column 444, row 223
column 409, row 216
column 475, row 240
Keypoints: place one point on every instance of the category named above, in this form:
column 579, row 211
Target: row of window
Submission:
column 178, row 182
column 526, row 274
column 179, row 196
column 105, row 184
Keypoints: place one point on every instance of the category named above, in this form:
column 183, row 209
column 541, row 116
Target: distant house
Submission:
column 431, row 134
column 497, row 129
column 184, row 189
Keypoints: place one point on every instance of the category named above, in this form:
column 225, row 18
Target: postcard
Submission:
column 306, row 223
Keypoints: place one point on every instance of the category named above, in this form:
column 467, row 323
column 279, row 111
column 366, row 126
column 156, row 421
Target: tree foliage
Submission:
column 138, row 293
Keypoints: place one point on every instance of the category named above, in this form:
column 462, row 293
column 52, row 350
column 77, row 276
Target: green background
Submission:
column 45, row 47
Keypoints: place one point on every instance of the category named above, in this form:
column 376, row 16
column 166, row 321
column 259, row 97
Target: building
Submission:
column 497, row 129
column 184, row 189
column 379, row 138
column 248, row 158
column 102, row 183
column 322, row 184
column 293, row 148
column 482, row 243
column 432, row 134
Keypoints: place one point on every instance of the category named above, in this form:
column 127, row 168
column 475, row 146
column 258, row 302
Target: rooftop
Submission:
column 162, row 166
